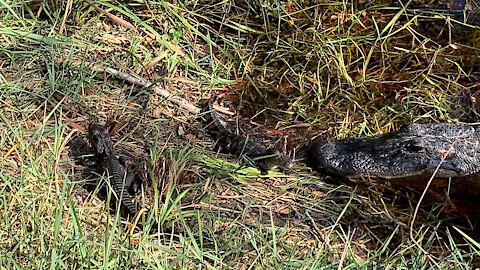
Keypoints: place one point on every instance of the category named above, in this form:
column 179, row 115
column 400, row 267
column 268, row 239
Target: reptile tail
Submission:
column 213, row 114
column 124, row 196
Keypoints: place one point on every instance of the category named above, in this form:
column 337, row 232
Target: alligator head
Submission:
column 100, row 139
column 414, row 151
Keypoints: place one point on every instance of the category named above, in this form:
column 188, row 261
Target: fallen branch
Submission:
column 112, row 17
column 137, row 80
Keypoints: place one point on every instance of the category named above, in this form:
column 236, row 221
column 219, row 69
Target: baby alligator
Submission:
column 231, row 143
column 120, row 178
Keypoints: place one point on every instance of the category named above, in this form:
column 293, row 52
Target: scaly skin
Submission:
column 413, row 151
column 120, row 178
column 231, row 143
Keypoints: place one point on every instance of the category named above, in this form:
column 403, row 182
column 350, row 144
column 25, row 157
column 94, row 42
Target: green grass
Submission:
column 327, row 69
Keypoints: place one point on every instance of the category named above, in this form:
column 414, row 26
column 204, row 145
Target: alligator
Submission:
column 448, row 151
column 464, row 19
column 449, row 19
column 415, row 150
column 121, row 179
column 230, row 143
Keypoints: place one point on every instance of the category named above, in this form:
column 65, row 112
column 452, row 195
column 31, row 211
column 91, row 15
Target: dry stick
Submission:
column 11, row 150
column 68, row 6
column 112, row 17
column 136, row 79
column 444, row 156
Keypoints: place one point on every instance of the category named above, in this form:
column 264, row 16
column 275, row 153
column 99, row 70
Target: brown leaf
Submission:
column 135, row 241
column 249, row 220
column 312, row 80
column 29, row 86
column 284, row 210
column 155, row 61
column 89, row 90
column 29, row 124
column 76, row 126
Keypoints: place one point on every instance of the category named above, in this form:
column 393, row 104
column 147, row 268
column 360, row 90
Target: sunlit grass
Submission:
column 326, row 69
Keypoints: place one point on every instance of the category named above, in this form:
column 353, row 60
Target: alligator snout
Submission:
column 416, row 150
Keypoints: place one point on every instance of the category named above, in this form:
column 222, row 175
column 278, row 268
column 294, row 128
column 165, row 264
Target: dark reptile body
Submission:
column 238, row 145
column 118, row 174
column 413, row 151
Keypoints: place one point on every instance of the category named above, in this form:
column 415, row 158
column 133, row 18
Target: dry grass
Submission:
column 299, row 69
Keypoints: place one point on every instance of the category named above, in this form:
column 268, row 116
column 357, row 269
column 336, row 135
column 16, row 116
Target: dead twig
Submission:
column 68, row 7
column 136, row 79
column 444, row 156
column 112, row 17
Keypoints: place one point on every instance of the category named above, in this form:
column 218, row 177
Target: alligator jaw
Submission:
column 414, row 151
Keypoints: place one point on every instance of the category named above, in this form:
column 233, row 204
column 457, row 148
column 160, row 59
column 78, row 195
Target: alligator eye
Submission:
column 415, row 145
